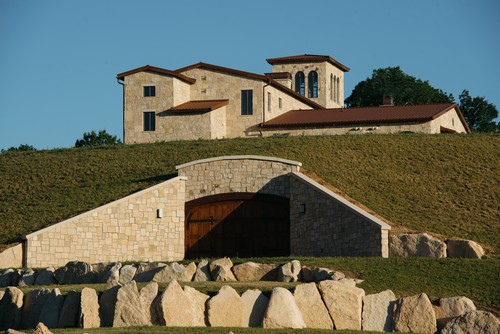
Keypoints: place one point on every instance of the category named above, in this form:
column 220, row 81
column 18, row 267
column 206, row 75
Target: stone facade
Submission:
column 129, row 229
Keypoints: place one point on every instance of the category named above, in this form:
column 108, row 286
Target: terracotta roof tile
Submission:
column 382, row 114
column 159, row 70
column 199, row 106
column 305, row 58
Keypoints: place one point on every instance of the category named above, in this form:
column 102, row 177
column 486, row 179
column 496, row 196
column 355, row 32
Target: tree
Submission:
column 405, row 90
column 93, row 139
column 21, row 148
column 478, row 113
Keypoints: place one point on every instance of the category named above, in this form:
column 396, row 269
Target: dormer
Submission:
column 319, row 78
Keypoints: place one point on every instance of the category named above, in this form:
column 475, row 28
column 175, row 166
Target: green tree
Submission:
column 21, row 148
column 405, row 90
column 479, row 113
column 97, row 139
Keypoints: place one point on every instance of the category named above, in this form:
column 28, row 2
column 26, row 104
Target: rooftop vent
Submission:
column 388, row 100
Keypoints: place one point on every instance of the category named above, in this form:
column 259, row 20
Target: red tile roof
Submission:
column 377, row 115
column 158, row 70
column 306, row 58
column 199, row 106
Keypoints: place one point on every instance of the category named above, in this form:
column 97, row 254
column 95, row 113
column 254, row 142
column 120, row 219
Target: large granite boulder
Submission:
column 378, row 311
column 75, row 272
column 198, row 301
column 414, row 315
column 128, row 308
column 464, row 248
column 107, row 305
column 344, row 302
column 52, row 309
column 5, row 278
column 251, row 271
column 473, row 322
column 127, row 273
column 175, row 271
column 107, row 273
column 33, row 304
column 11, row 306
column 311, row 306
column 282, row 311
column 68, row 317
column 27, row 278
column 290, row 272
column 449, row 308
column 146, row 271
column 254, row 304
column 416, row 245
column 45, row 276
column 89, row 309
column 202, row 273
column 41, row 328
column 225, row 309
column 147, row 297
column 220, row 270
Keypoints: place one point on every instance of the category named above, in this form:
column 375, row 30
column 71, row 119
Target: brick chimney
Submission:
column 388, row 100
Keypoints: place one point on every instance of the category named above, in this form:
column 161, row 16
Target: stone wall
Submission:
column 323, row 223
column 125, row 230
column 449, row 120
column 255, row 174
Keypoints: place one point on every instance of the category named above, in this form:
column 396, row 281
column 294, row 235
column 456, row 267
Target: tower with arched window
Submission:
column 319, row 78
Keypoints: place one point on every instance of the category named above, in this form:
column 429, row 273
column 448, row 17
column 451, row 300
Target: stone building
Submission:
column 303, row 95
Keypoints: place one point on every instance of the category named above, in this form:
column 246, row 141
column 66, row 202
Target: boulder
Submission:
column 13, row 331
column 198, row 302
column 41, row 328
column 202, row 272
column 464, row 248
column 320, row 274
column 107, row 273
column 312, row 307
column 175, row 271
column 378, row 311
column 89, row 309
column 52, row 309
column 11, row 308
column 128, row 308
column 282, row 311
column 416, row 245
column 186, row 312
column 448, row 308
column 220, row 270
column 473, row 322
column 5, row 278
column 27, row 278
column 127, row 273
column 344, row 303
column 33, row 304
column 251, row 271
column 107, row 304
column 254, row 304
column 225, row 308
column 45, row 276
column 2, row 292
column 75, row 272
column 147, row 296
column 414, row 314
column 290, row 272
column 146, row 271
column 68, row 317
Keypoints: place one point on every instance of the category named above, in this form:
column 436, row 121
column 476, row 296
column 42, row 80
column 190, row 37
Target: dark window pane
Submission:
column 149, row 121
column 246, row 102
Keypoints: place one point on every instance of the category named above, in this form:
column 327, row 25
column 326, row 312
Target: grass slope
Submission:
column 447, row 184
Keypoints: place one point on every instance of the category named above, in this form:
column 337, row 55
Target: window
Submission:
column 338, row 89
column 280, row 103
column 335, row 88
column 246, row 102
column 300, row 83
column 149, row 121
column 268, row 101
column 331, row 87
column 149, row 91
column 313, row 84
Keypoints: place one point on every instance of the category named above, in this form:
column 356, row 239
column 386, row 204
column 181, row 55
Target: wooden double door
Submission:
column 237, row 224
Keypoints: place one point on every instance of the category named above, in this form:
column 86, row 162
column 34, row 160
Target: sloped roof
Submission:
column 199, row 106
column 250, row 75
column 381, row 114
column 159, row 70
column 307, row 58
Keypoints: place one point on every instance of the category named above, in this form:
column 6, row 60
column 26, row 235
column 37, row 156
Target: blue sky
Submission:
column 59, row 59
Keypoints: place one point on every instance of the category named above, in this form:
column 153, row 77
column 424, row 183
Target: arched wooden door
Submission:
column 237, row 224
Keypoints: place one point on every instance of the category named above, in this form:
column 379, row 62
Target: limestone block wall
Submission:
column 228, row 174
column 184, row 126
column 129, row 229
column 449, row 120
column 323, row 223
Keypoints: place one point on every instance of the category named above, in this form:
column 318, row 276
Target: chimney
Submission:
column 388, row 100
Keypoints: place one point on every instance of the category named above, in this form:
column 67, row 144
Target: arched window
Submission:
column 334, row 88
column 300, row 86
column 331, row 86
column 313, row 84
column 338, row 89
